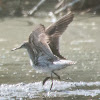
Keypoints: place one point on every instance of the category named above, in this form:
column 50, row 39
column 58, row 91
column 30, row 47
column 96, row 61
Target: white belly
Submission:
column 47, row 66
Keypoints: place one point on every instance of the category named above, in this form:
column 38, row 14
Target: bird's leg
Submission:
column 57, row 75
column 45, row 80
column 52, row 81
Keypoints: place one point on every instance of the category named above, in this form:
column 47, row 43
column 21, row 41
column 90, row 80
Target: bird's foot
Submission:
column 68, row 78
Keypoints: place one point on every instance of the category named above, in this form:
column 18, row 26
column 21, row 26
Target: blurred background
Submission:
column 33, row 7
column 80, row 42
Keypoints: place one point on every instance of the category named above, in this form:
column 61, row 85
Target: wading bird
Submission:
column 43, row 48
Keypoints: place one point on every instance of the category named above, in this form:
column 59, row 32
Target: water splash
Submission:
column 60, row 88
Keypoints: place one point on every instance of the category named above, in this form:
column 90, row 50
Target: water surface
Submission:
column 80, row 42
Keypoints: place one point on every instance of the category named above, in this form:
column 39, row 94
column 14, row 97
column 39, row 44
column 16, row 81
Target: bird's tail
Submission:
column 62, row 64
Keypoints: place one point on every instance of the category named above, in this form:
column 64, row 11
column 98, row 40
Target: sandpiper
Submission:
column 43, row 48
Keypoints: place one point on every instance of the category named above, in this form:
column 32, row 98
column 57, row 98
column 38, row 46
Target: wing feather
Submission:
column 55, row 30
column 38, row 41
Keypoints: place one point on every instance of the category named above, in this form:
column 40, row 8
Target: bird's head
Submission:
column 24, row 45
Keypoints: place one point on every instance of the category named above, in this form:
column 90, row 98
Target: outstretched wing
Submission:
column 55, row 30
column 38, row 41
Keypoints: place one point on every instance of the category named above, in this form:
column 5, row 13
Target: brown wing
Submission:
column 38, row 41
column 55, row 30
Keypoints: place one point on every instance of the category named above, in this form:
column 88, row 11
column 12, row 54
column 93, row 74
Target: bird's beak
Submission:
column 16, row 48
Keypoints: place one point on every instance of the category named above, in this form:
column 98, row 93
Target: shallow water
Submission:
column 80, row 42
